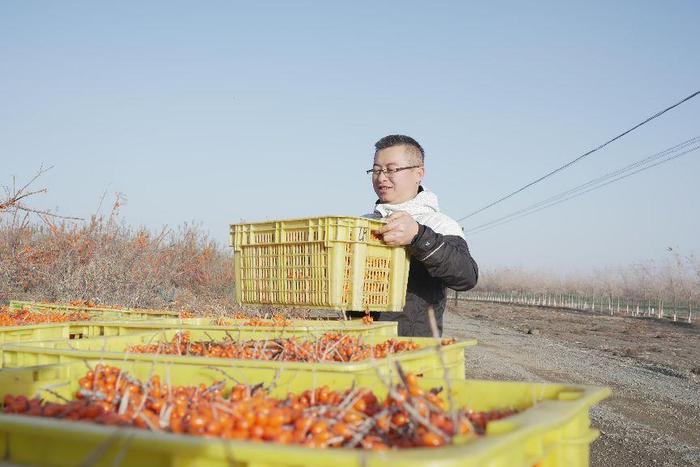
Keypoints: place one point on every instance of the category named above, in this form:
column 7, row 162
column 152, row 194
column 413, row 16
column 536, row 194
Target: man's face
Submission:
column 402, row 185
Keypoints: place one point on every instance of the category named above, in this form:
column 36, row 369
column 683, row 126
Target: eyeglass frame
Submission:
column 389, row 172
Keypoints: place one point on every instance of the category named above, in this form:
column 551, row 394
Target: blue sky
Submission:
column 217, row 112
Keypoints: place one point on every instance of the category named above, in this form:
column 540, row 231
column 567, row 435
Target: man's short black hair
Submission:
column 414, row 148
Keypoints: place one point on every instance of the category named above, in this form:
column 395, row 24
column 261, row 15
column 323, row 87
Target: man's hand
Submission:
column 400, row 229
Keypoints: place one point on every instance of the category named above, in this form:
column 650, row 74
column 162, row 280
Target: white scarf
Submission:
column 425, row 210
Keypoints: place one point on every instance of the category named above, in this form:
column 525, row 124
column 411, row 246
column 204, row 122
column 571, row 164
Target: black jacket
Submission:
column 437, row 262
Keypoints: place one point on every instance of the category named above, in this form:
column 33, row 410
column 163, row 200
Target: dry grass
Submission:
column 110, row 263
column 673, row 284
column 48, row 257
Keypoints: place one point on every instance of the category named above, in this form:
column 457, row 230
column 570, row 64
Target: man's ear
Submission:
column 421, row 174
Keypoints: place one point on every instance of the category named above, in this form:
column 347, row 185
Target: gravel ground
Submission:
column 653, row 416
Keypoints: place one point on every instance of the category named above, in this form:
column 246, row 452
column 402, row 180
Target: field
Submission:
column 652, row 366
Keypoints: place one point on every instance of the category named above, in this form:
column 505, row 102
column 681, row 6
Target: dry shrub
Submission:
column 674, row 281
column 108, row 262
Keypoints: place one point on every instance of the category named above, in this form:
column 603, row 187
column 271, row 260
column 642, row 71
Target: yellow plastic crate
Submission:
column 238, row 328
column 426, row 361
column 83, row 329
column 101, row 312
column 322, row 262
column 553, row 428
column 88, row 329
column 35, row 332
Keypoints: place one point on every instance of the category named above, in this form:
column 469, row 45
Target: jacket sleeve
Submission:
column 446, row 257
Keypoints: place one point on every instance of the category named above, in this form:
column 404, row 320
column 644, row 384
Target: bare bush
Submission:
column 673, row 284
column 112, row 263
column 105, row 261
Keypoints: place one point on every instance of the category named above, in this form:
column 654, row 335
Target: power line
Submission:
column 594, row 181
column 584, row 192
column 554, row 200
column 572, row 162
column 479, row 230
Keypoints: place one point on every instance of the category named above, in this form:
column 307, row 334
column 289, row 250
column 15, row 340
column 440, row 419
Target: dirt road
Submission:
column 653, row 416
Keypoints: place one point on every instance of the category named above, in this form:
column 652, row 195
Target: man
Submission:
column 440, row 257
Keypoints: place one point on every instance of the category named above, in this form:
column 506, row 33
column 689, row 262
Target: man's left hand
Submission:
column 399, row 230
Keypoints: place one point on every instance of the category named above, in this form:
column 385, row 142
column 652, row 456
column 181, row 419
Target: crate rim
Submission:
column 185, row 326
column 67, row 307
column 275, row 222
column 236, row 327
column 294, row 219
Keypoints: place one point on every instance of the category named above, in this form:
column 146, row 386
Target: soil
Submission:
column 652, row 367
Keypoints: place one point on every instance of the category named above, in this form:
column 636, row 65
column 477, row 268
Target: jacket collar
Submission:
column 425, row 202
column 420, row 189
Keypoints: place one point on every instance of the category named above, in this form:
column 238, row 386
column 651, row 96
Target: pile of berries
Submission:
column 331, row 346
column 25, row 317
column 322, row 418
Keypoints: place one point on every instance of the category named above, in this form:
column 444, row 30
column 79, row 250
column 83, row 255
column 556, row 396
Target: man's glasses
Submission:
column 390, row 172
